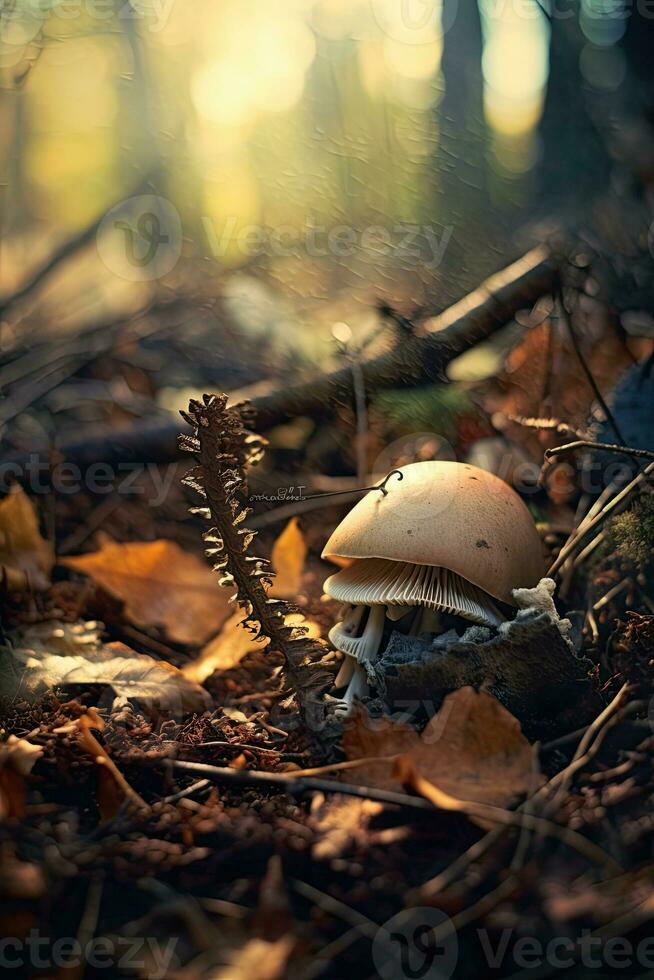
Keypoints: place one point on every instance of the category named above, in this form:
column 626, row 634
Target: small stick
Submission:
column 182, row 793
column 574, row 542
column 584, row 750
column 332, row 905
column 232, row 745
column 589, row 549
column 567, row 319
column 433, row 887
column 340, row 766
column 612, row 593
column 594, row 628
column 571, row 447
column 547, row 425
column 220, row 906
column 296, row 787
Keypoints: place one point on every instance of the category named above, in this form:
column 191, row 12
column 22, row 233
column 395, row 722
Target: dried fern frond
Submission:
column 224, row 446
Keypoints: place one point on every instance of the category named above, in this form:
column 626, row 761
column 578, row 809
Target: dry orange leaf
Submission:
column 376, row 739
column 227, row 649
column 161, row 585
column 288, row 556
column 84, row 726
column 26, row 559
column 472, row 750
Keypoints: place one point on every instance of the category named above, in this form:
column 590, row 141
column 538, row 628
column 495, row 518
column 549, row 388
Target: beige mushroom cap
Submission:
column 451, row 515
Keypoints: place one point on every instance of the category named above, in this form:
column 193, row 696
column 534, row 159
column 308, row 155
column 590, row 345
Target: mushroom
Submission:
column 441, row 538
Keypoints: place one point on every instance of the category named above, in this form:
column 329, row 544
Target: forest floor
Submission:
column 361, row 852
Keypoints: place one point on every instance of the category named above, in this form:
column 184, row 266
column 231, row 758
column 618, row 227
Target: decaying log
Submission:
column 419, row 359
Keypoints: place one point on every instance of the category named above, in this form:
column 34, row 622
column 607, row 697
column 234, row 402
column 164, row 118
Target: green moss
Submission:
column 431, row 408
column 633, row 531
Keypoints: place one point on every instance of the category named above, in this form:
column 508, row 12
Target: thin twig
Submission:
column 188, row 791
column 443, row 880
column 287, row 783
column 567, row 319
column 561, row 782
column 547, row 425
column 571, row 447
column 612, row 593
column 620, row 499
column 232, row 745
column 326, row 902
column 341, row 766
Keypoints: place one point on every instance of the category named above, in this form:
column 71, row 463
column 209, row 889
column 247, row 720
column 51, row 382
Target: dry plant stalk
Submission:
column 224, row 446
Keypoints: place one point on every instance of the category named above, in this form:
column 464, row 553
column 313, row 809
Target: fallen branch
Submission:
column 422, row 359
column 419, row 359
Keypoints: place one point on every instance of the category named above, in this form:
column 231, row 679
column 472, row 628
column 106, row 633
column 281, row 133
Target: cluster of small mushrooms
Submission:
column 441, row 540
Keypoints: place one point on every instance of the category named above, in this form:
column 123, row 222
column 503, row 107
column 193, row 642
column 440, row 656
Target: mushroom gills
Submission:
column 374, row 590
column 372, row 581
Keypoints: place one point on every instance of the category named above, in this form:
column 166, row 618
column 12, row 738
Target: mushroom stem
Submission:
column 344, row 675
column 359, row 651
column 356, row 689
